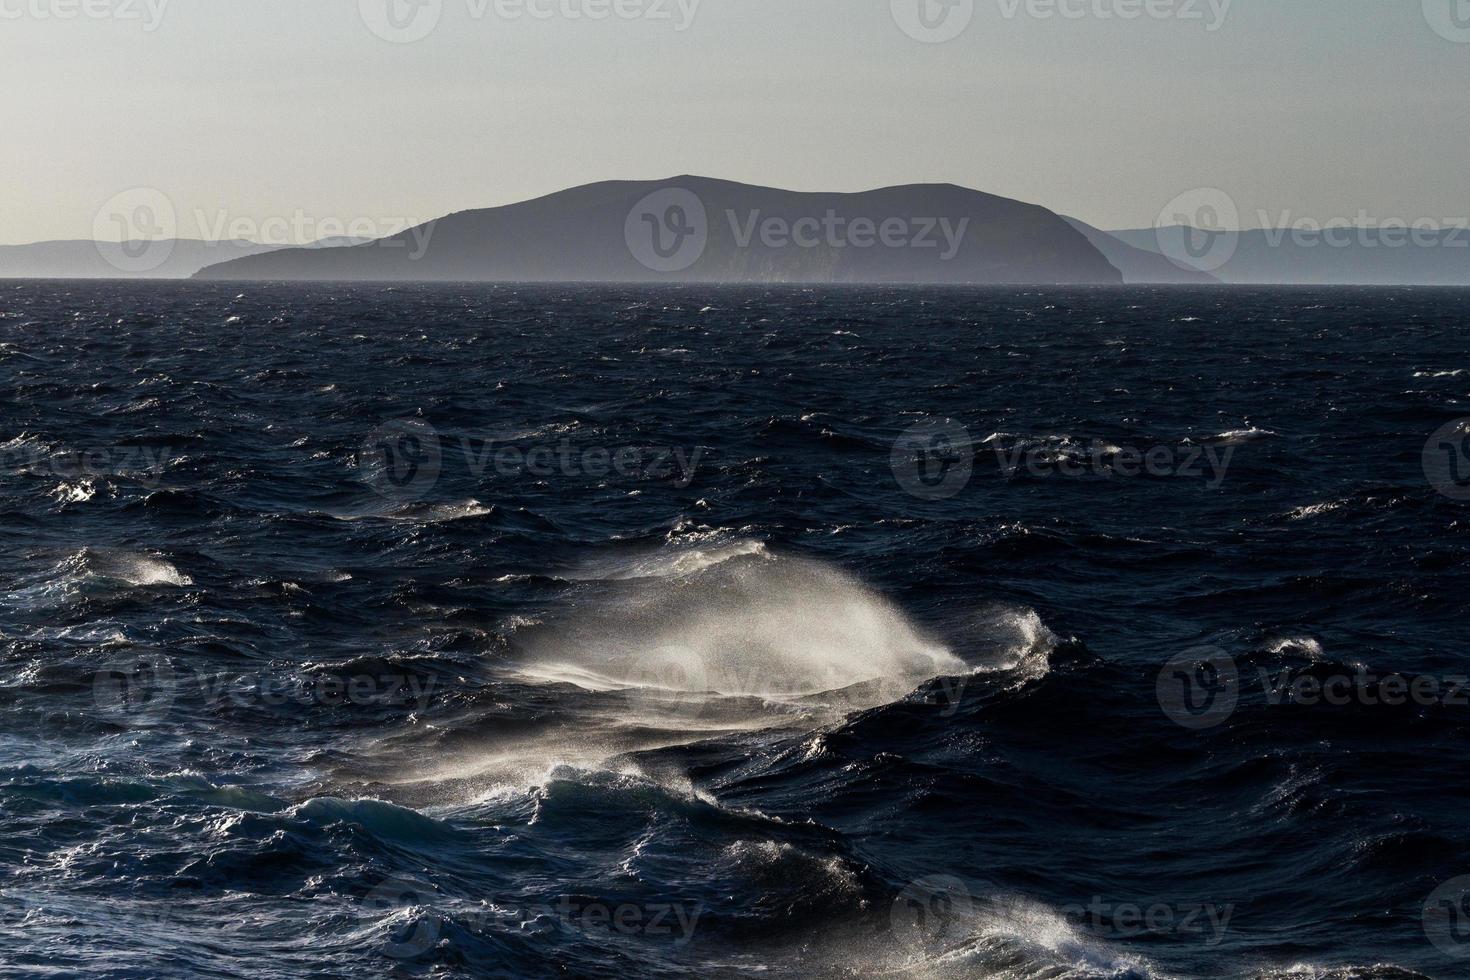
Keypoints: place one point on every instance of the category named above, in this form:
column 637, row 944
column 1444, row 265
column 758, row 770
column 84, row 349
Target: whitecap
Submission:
column 1237, row 436
column 748, row 625
column 1304, row 646
column 672, row 562
column 1315, row 510
column 128, row 567
column 415, row 513
column 74, row 493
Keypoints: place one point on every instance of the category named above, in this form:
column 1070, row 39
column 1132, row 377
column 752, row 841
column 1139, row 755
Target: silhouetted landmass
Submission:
column 166, row 259
column 607, row 232
column 695, row 229
column 172, row 258
column 1136, row 264
column 1345, row 257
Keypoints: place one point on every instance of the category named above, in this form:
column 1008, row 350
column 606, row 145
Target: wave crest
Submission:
column 750, row 625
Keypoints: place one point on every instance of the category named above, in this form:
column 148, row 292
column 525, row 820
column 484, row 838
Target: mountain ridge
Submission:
column 1298, row 257
column 701, row 229
column 1139, row 266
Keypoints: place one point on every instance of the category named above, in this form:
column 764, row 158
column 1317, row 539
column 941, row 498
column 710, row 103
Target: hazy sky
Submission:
column 294, row 110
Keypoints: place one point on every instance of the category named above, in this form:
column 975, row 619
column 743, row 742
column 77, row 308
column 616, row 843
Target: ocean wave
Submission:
column 1236, row 437
column 673, row 562
column 1305, row 971
column 1302, row 646
column 1030, row 940
column 78, row 492
column 1316, row 510
column 1005, row 638
column 746, row 626
column 131, row 568
column 416, row 512
column 385, row 820
column 938, row 930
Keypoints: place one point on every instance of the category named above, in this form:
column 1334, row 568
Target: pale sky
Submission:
column 297, row 113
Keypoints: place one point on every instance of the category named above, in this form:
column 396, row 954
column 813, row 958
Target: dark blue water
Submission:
column 506, row 632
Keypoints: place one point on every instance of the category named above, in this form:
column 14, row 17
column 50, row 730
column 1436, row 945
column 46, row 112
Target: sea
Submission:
column 497, row 631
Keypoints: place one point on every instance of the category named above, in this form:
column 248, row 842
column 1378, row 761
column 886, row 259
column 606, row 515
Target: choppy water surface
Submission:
column 493, row 631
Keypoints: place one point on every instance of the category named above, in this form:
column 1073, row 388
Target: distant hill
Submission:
column 166, row 259
column 1366, row 257
column 173, row 258
column 1136, row 264
column 694, row 229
